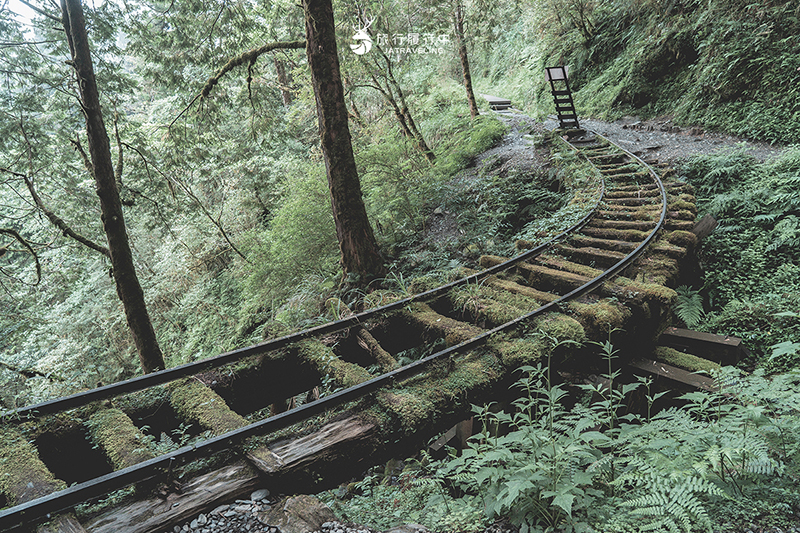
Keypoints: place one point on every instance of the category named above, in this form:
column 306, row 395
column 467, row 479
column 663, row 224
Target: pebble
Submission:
column 239, row 516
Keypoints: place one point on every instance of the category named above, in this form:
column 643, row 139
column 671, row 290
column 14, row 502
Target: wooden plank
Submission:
column 704, row 227
column 295, row 454
column 722, row 349
column 65, row 523
column 495, row 100
column 670, row 372
column 200, row 494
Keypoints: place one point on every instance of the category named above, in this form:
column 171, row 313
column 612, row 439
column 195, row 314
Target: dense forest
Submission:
column 251, row 196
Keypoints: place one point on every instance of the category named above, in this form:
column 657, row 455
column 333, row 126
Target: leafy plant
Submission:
column 688, row 306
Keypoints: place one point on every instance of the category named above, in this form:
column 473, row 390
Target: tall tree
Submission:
column 129, row 289
column 458, row 19
column 359, row 250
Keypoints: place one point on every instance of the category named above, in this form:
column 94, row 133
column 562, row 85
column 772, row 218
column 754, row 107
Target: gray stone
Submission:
column 408, row 528
column 299, row 514
column 202, row 520
column 260, row 494
column 193, row 524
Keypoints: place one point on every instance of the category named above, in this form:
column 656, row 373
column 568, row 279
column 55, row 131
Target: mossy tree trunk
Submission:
column 284, row 82
column 458, row 18
column 359, row 250
column 128, row 288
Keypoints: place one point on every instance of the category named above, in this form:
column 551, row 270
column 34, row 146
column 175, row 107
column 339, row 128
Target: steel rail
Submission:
column 189, row 369
column 44, row 507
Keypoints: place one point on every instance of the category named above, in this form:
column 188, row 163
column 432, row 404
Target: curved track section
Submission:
column 632, row 209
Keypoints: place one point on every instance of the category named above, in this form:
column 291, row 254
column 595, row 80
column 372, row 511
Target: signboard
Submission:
column 557, row 73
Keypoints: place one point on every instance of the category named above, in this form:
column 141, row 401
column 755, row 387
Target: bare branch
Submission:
column 86, row 161
column 55, row 219
column 248, row 57
column 26, row 244
column 41, row 11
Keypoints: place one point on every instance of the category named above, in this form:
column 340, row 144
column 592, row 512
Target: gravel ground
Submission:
column 659, row 139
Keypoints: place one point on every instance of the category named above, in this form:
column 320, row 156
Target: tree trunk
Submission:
column 357, row 243
column 462, row 53
column 128, row 288
column 284, row 82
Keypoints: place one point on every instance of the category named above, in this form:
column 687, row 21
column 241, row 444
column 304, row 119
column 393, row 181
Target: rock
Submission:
column 298, row 514
column 260, row 494
column 193, row 524
column 408, row 528
column 202, row 520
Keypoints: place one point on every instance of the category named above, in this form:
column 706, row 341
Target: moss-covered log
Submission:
column 436, row 326
column 194, row 401
column 122, row 442
column 23, row 475
column 327, row 363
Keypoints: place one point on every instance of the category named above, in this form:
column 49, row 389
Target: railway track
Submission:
column 577, row 272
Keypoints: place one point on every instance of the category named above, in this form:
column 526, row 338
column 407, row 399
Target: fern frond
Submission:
column 689, row 306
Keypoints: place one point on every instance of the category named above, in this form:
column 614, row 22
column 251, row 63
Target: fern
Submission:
column 689, row 306
column 672, row 503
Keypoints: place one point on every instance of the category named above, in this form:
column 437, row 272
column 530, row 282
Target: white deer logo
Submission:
column 364, row 43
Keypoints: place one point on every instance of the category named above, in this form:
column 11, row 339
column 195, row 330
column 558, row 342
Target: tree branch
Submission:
column 86, row 161
column 55, row 219
column 41, row 11
column 26, row 244
column 248, row 57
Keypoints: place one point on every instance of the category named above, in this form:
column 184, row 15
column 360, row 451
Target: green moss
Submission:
column 150, row 398
column 639, row 291
column 686, row 239
column 569, row 266
column 520, row 352
column 529, row 293
column 194, row 401
column 326, row 362
column 656, row 268
column 630, row 235
column 426, row 398
column 686, row 361
column 453, row 331
column 601, row 316
column 119, row 438
column 23, row 476
column 560, row 327
column 411, row 409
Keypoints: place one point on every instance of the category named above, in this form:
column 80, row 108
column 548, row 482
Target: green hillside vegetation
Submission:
column 721, row 65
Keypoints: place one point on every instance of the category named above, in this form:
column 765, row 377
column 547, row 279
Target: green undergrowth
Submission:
column 715, row 461
column 726, row 65
column 582, row 180
column 751, row 274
